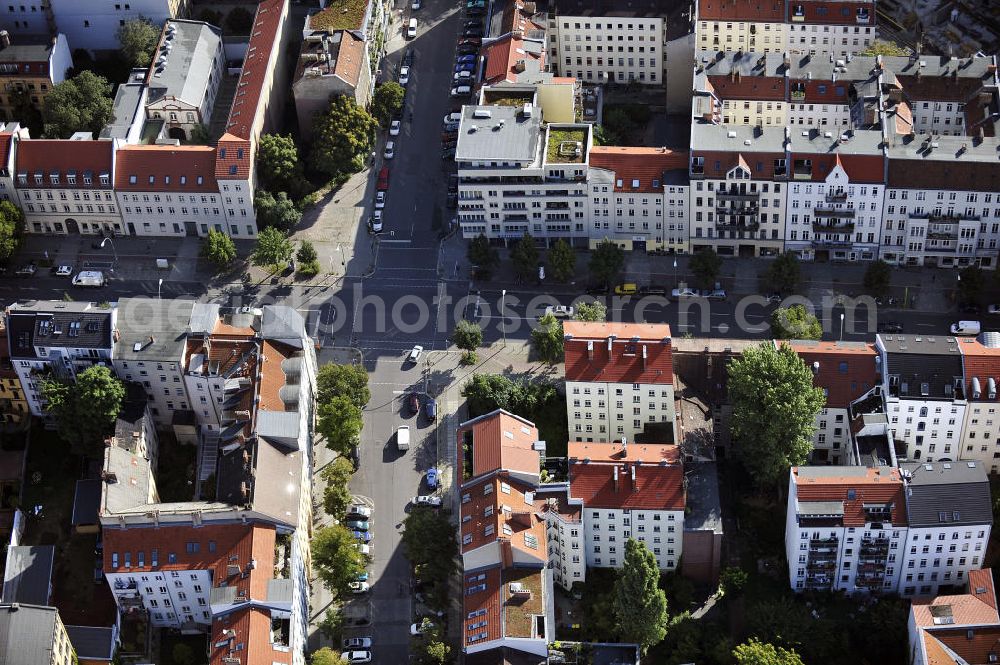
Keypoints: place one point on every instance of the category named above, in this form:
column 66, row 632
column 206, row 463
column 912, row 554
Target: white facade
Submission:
column 835, row 116
column 931, row 429
column 840, row 40
column 94, row 26
column 941, row 556
column 735, row 215
column 604, row 412
column 832, row 435
column 764, row 36
column 608, row 49
column 159, row 213
column 938, row 117
column 607, row 531
column 236, row 199
column 91, row 209
column 163, row 381
column 168, row 597
column 981, row 434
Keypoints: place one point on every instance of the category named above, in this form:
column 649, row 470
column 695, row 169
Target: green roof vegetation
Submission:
column 509, row 99
column 560, row 149
column 521, row 610
column 340, row 15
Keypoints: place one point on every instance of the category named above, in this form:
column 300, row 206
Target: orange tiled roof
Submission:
column 483, row 605
column 45, row 156
column 649, row 453
column 273, row 376
column 624, row 362
column 233, row 158
column 6, row 141
column 981, row 362
column 846, row 370
column 250, row 91
column 876, row 486
column 737, row 86
column 972, row 645
column 251, row 627
column 500, row 440
column 646, row 486
column 760, row 11
column 172, row 168
column 502, row 57
column 498, row 502
column 835, row 13
column 643, row 164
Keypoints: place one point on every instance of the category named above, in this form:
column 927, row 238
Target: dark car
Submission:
column 430, row 408
column 414, row 402
column 408, row 57
column 597, row 290
column 473, row 32
column 890, row 327
column 969, row 308
column 470, row 41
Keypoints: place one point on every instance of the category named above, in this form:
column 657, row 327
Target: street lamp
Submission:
column 106, row 241
column 503, row 328
column 841, row 326
column 675, row 272
column 159, row 286
column 343, row 260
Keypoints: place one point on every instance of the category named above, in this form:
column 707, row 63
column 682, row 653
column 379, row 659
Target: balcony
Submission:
column 556, row 205
column 833, row 227
column 798, row 18
column 953, row 218
column 736, row 195
column 838, row 196
column 828, row 211
column 801, row 174
column 798, row 95
column 515, row 218
column 823, row 542
column 737, row 226
column 745, row 209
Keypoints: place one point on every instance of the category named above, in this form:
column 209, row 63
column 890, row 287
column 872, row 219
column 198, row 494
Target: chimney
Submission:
column 624, row 447
column 635, row 487
column 610, row 340
column 4, row 39
column 615, row 476
column 644, row 357
column 590, row 349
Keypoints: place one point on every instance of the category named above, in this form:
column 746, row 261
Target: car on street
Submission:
column 27, row 270
column 462, row 77
column 420, row 627
column 461, row 91
column 358, row 587
column 452, row 118
column 360, row 525
column 366, row 550
column 559, row 311
column 686, row 292
column 626, row 289
column 383, row 179
column 375, row 222
column 356, row 657
column 993, row 309
column 363, row 576
column 415, row 353
column 465, row 58
column 890, row 327
column 64, row 271
column 448, row 152
column 473, row 32
column 451, row 127
column 414, row 402
column 379, row 200
column 427, row 500
column 415, row 5
column 363, row 536
column 432, row 478
column 464, row 68
column 467, row 49
column 360, row 510
column 966, row 328
column 357, row 643
column 408, row 57
column 470, row 41
column 411, row 29
column 394, row 127
column 773, row 298
column 718, row 293
column 404, row 75
column 430, row 408
column 390, row 150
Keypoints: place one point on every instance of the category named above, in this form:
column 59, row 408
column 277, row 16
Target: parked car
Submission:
column 473, row 24
column 462, row 77
column 415, row 354
column 448, row 152
column 453, row 117
column 414, row 402
column 360, row 510
column 716, row 293
column 465, row 69
column 473, row 32
column 383, row 178
column 375, row 221
column 461, row 91
column 686, row 292
column 432, row 478
column 465, row 58
column 627, row 289
column 451, row 127
column 379, row 200
column 415, row 5
column 358, row 587
column 430, row 408
column 890, row 327
column 64, row 271
column 360, row 525
column 356, row 657
column 470, row 41
column 773, row 298
column 404, row 75
column 27, row 270
column 363, row 576
column 357, row 643
column 993, row 309
column 560, row 311
column 408, row 57
column 411, row 29
column 364, row 549
column 967, row 328
column 420, row 627
column 394, row 127
column 427, row 500
column 390, row 150
column 363, row 536
column 91, row 278
column 467, row 49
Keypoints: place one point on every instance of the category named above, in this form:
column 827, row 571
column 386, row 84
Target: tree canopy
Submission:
column 755, row 652
column 342, row 137
column 705, row 266
column 387, row 102
column 11, row 227
column 430, row 545
column 273, row 248
column 335, row 559
column 326, row 656
column 878, row 275
column 884, row 47
column 138, row 37
column 278, row 166
column 348, row 380
column 524, row 256
column 640, row 605
column 85, row 411
column 339, row 422
column 277, row 211
column 239, row 21
column 774, row 410
column 591, row 311
column 606, row 262
column 483, row 256
column 337, row 495
column 467, row 335
column 795, row 322
column 783, row 274
column 218, row 248
column 80, row 104
column 562, row 261
column 547, row 339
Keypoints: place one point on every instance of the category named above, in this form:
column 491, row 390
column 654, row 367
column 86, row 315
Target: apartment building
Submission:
column 29, row 68
column 34, row 635
column 924, row 386
column 647, row 206
column 506, row 578
column 950, row 516
column 63, row 338
column 10, row 134
column 94, row 26
column 845, row 528
column 845, row 371
column 619, row 381
column 565, row 533
column 980, row 437
column 629, row 490
column 517, row 176
column 13, row 405
column 957, row 627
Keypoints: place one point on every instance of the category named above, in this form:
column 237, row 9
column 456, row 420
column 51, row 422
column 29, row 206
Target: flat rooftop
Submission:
column 567, row 145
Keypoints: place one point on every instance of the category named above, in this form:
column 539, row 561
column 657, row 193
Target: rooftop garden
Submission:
column 508, row 99
column 566, row 146
column 340, row 15
column 522, row 609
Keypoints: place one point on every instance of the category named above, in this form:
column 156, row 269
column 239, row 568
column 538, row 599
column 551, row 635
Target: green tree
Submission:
column 755, row 652
column 200, row 135
column 971, row 282
column 326, row 655
column 877, row 278
column 336, row 495
column 339, row 422
column 640, row 605
column 273, row 248
column 278, row 166
column 85, row 411
column 433, row 651
column 705, row 265
column 350, row 381
column 342, row 138
column 591, row 311
column 483, row 256
column 884, row 47
column 430, row 545
column 79, row 104
column 795, row 322
column 732, row 580
column 783, row 274
column 467, row 336
column 562, row 261
column 335, row 559
column 138, row 37
column 606, row 262
column 182, row 654
column 547, row 338
column 218, row 248
column 387, row 102
column 239, row 21
column 308, row 259
column 524, row 256
column 11, row 227
column 774, row 410
column 276, row 211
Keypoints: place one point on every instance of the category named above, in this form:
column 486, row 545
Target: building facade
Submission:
column 964, row 626
column 980, row 438
column 94, row 26
column 29, row 70
column 34, row 635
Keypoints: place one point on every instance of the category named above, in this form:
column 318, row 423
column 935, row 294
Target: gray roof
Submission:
column 86, row 502
column 951, row 149
column 222, row 595
column 824, row 68
column 35, row 49
column 704, row 508
column 57, row 323
column 948, row 494
column 920, row 359
column 859, row 141
column 152, row 329
column 131, row 416
column 613, row 8
column 282, row 323
column 707, row 137
column 127, row 105
column 747, row 64
column 485, row 139
column 815, row 508
column 938, row 66
column 26, row 634
column 188, row 64
column 281, row 427
column 204, row 316
column 92, row 642
column 279, row 591
column 132, row 481
column 28, row 575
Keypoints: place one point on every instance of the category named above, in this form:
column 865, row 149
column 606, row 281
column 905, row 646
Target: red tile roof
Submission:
column 250, row 627
column 847, row 370
column 975, row 607
column 642, row 164
column 167, row 165
column 973, row 646
column 760, row 164
column 485, row 509
column 738, row 86
column 234, row 158
column 981, row 362
column 250, row 93
column 6, row 141
column 981, row 587
column 820, row 91
column 648, row 453
column 835, row 13
column 877, row 485
column 655, row 486
column 624, row 362
column 502, row 57
column 759, row 11
column 500, row 440
column 485, row 602
column 46, row 156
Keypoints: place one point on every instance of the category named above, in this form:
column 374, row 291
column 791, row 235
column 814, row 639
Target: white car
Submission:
column 390, row 150
column 358, row 643
column 394, row 128
column 376, row 221
column 379, row 200
column 358, row 587
column 404, row 75
column 451, row 118
column 356, row 656
column 684, row 293
column 364, row 549
column 461, row 91
column 360, row 510
column 993, row 309
column 420, row 628
column 427, row 500
column 411, row 29
column 416, row 5
column 64, row 271
column 415, row 353
column 560, row 311
column 463, row 77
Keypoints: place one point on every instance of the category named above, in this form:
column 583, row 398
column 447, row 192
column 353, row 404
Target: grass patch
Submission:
column 340, row 15
column 624, row 124
column 557, row 137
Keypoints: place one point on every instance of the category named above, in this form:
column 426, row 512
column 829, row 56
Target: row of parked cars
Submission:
column 359, row 520
column 467, row 53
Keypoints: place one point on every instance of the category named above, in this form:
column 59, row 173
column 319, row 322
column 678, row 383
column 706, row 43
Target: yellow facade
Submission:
column 742, row 36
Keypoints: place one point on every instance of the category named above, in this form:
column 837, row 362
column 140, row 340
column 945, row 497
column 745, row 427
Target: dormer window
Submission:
column 152, row 179
column 131, row 180
column 184, row 179
column 635, row 184
column 239, row 153
column 22, row 178
column 54, row 177
column 200, row 180
column 71, row 178
column 38, row 178
column 87, row 179
column 798, row 10
column 222, row 153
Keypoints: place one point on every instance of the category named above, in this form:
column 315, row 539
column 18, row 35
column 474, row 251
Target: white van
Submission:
column 92, row 278
column 411, row 29
column 403, row 437
column 970, row 328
